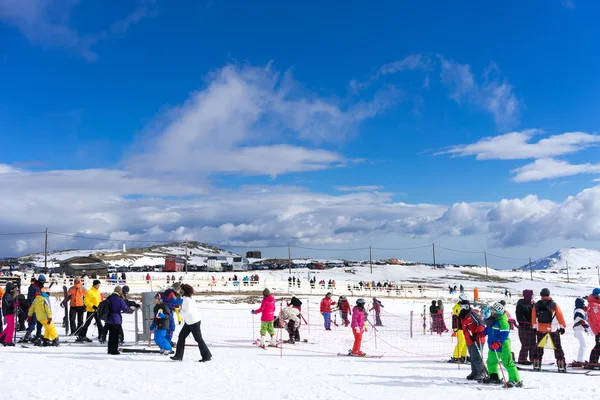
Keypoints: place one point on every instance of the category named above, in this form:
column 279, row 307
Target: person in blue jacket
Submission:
column 159, row 325
column 172, row 299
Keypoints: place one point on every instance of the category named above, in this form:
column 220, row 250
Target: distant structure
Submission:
column 174, row 264
column 77, row 266
column 253, row 254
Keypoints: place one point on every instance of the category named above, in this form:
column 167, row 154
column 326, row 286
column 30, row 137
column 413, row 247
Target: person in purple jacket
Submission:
column 115, row 320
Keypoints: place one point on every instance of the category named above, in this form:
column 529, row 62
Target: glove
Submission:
column 160, row 315
column 152, row 326
column 49, row 321
column 252, row 312
column 94, row 308
column 561, row 331
column 495, row 346
column 29, row 319
column 357, row 329
column 454, row 334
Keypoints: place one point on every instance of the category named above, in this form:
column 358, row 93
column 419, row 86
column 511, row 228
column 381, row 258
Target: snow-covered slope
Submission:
column 576, row 258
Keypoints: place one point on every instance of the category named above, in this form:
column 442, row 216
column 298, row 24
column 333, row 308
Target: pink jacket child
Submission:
column 267, row 309
column 358, row 324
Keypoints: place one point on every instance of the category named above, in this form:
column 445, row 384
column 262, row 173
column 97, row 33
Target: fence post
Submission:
column 411, row 324
column 135, row 321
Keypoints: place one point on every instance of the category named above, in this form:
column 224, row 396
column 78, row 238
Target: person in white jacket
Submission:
column 290, row 315
column 192, row 325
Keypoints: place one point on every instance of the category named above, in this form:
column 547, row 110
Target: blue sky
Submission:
column 397, row 123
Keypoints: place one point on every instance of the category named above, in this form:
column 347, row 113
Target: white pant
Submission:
column 580, row 335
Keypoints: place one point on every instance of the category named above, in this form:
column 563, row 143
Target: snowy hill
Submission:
column 576, row 258
column 139, row 256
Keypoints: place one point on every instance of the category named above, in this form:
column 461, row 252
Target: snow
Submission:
column 575, row 257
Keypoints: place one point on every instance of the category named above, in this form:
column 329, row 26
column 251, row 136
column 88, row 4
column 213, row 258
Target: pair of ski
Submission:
column 483, row 386
column 349, row 354
column 570, row 371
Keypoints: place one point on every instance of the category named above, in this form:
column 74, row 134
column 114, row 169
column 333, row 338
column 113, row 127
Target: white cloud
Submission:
column 516, row 145
column 365, row 188
column 549, row 168
column 411, row 62
column 492, row 94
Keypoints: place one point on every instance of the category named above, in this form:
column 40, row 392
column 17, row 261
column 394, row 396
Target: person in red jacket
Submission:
column 593, row 314
column 325, row 308
column 344, row 306
column 473, row 327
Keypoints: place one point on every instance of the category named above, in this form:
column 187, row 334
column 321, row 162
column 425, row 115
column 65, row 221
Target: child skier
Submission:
column 497, row 329
column 594, row 321
column 267, row 308
column 377, row 307
column 9, row 309
column 358, row 326
column 43, row 313
column 580, row 326
column 473, row 327
column 160, row 324
column 460, row 350
column 344, row 306
column 290, row 315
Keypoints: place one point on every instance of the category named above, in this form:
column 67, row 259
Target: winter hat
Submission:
column 528, row 295
column 579, row 303
column 42, row 278
column 503, row 303
column 125, row 289
column 596, row 292
column 545, row 292
column 10, row 286
column 118, row 289
column 96, row 282
column 176, row 287
column 266, row 292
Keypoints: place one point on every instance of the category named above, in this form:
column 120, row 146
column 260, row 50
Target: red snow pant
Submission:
column 528, row 342
column 538, row 352
column 357, row 341
column 345, row 318
column 7, row 334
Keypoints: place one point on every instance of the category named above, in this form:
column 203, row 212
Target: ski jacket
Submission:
column 358, row 318
column 161, row 323
column 558, row 320
column 76, row 293
column 291, row 314
column 497, row 330
column 92, row 299
column 117, row 306
column 326, row 304
column 593, row 314
column 472, row 329
column 523, row 313
column 41, row 308
column 376, row 305
column 169, row 297
column 188, row 311
column 456, row 322
column 267, row 309
column 579, row 320
column 345, row 307
column 34, row 291
column 8, row 304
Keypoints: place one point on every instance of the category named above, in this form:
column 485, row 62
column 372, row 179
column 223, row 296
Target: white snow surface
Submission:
column 576, row 258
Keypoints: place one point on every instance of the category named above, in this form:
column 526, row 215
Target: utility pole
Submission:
column 371, row 259
column 530, row 268
column 486, row 267
column 434, row 264
column 568, row 281
column 290, row 258
column 46, row 253
column 186, row 256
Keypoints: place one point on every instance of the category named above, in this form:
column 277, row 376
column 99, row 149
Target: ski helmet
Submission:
column 42, row 278
column 361, row 302
column 125, row 290
column 463, row 297
column 342, row 297
column 596, row 292
column 498, row 308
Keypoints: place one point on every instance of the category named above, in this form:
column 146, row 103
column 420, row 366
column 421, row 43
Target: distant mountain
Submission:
column 575, row 257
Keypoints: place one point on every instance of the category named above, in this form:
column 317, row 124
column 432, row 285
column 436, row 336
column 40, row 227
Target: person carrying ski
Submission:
column 35, row 288
column 593, row 314
column 460, row 350
column 580, row 326
column 267, row 309
column 41, row 308
column 473, row 327
column 290, row 315
column 159, row 325
column 377, row 308
column 497, row 330
column 191, row 325
column 325, row 308
column 358, row 326
column 344, row 306
column 115, row 319
column 91, row 301
column 527, row 335
column 9, row 308
column 76, row 308
column 548, row 321
column 172, row 299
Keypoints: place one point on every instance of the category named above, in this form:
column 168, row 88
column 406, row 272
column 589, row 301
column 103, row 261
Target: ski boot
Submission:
column 537, row 365
column 562, row 365
column 514, row 384
column 273, row 342
column 453, row 360
column 26, row 338
column 492, row 379
column 55, row 342
column 291, row 341
column 46, row 343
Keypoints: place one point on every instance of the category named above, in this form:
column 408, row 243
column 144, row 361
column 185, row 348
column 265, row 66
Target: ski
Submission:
column 145, row 351
column 357, row 356
column 579, row 372
column 66, row 307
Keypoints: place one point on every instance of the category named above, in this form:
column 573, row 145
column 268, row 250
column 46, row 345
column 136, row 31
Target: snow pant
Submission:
column 293, row 330
column 113, row 330
column 345, row 318
column 160, row 339
column 266, row 326
column 6, row 336
column 538, row 352
column 76, row 313
column 580, row 336
column 171, row 330
column 595, row 354
column 49, row 330
column 460, row 350
column 528, row 342
column 34, row 324
column 357, row 341
column 101, row 330
column 22, row 314
column 507, row 360
column 327, row 320
column 194, row 329
column 378, row 318
column 475, row 351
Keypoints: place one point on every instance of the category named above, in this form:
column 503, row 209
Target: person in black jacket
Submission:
column 526, row 332
column 22, row 312
column 160, row 324
column 131, row 304
column 8, row 311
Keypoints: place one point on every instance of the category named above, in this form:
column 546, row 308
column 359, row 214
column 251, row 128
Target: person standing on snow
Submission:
column 191, row 325
column 160, row 324
column 593, row 314
column 473, row 327
column 35, row 289
column 41, row 308
column 358, row 326
column 547, row 319
column 497, row 330
column 9, row 308
column 91, row 301
column 460, row 350
column 325, row 308
column 172, row 299
column 344, row 306
column 115, row 319
column 377, row 307
column 76, row 308
column 526, row 332
column 580, row 326
column 290, row 315
column 267, row 309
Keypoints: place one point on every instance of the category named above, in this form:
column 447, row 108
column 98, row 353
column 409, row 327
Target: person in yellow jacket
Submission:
column 92, row 299
column 460, row 350
column 43, row 313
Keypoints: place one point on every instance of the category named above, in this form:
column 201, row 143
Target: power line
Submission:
column 317, row 249
column 510, row 258
column 460, row 251
column 22, row 233
column 401, row 248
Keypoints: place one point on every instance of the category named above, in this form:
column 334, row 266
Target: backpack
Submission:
column 104, row 309
column 543, row 312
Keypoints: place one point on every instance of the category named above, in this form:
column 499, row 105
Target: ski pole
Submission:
column 86, row 321
column 501, row 369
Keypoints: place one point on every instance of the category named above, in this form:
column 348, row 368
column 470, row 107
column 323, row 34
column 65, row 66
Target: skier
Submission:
column 9, row 307
column 160, row 324
column 41, row 308
column 76, row 294
column 473, row 327
column 548, row 320
column 377, row 307
column 344, row 306
column 460, row 350
column 22, row 312
column 267, row 309
column 172, row 299
column 115, row 319
column 358, row 325
column 497, row 330
column 526, row 332
column 92, row 299
column 35, row 288
column 593, row 315
column 580, row 326
column 191, row 325
column 290, row 315
column 325, row 309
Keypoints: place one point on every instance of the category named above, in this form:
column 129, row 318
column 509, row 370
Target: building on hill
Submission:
column 253, row 254
column 77, row 266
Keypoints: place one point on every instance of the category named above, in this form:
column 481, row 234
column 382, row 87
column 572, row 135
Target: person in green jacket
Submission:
column 497, row 330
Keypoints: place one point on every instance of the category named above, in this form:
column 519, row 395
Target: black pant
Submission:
column 194, row 329
column 101, row 329
column 293, row 330
column 113, row 331
column 538, row 352
column 76, row 312
column 528, row 342
column 595, row 354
